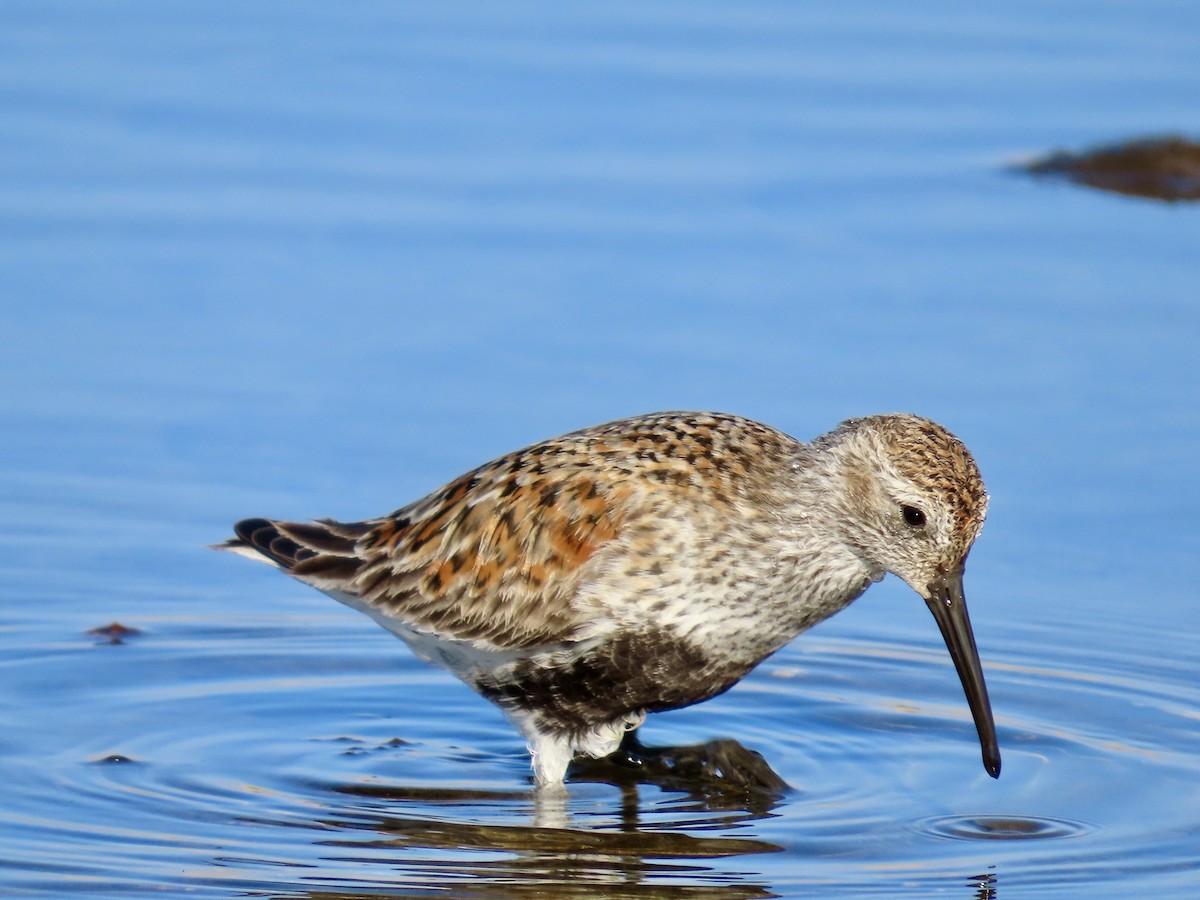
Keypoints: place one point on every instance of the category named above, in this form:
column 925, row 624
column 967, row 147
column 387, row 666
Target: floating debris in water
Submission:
column 1164, row 168
column 359, row 746
column 114, row 633
column 114, row 759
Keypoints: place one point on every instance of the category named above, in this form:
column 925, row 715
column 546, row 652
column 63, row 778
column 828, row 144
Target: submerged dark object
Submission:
column 1162, row 168
column 722, row 773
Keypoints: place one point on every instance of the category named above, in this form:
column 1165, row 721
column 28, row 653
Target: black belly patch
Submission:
column 629, row 672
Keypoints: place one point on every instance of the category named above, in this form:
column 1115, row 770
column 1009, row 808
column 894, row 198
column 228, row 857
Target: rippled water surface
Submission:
column 312, row 260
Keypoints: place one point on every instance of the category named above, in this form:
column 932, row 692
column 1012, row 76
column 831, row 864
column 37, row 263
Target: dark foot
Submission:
column 718, row 771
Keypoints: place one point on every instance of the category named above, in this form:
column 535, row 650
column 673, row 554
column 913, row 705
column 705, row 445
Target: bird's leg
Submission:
column 550, row 756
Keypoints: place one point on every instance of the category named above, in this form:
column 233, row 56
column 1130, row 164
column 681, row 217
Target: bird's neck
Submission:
column 826, row 570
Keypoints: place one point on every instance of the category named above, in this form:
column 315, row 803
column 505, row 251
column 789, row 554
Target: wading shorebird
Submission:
column 650, row 563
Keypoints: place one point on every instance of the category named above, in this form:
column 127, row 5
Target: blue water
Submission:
column 314, row 260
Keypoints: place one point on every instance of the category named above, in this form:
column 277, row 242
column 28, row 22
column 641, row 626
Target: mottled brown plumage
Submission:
column 648, row 563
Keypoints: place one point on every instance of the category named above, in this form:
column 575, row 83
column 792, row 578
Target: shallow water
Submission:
column 309, row 262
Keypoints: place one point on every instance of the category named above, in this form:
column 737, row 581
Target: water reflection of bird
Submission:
column 650, row 563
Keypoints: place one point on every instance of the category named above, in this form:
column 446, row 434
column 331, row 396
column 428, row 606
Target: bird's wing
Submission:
column 497, row 557
column 493, row 559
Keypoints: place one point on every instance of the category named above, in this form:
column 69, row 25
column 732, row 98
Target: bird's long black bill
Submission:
column 949, row 608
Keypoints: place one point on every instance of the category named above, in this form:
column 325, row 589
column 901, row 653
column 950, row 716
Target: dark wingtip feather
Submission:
column 246, row 528
column 300, row 548
column 264, row 536
column 334, row 538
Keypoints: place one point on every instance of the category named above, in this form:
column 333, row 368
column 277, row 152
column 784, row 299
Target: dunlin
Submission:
column 650, row 563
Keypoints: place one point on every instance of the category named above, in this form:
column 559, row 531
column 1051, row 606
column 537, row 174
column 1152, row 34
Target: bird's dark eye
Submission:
column 913, row 516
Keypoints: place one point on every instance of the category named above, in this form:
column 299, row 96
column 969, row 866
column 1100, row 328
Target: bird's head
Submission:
column 912, row 502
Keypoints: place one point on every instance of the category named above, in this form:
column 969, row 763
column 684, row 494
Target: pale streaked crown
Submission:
column 890, row 461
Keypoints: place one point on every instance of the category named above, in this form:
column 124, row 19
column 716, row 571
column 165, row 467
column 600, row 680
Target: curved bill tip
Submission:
column 949, row 608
